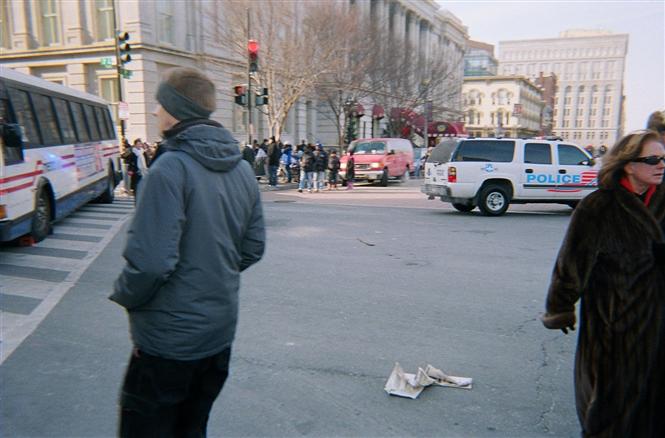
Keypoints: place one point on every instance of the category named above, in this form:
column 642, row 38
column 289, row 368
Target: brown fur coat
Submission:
column 612, row 260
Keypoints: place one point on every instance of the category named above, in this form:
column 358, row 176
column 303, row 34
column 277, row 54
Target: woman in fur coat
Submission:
column 613, row 259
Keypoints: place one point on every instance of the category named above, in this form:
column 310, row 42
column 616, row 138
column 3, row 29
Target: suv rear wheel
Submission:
column 493, row 200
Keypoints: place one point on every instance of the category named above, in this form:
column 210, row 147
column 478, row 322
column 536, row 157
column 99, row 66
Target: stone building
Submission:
column 66, row 42
column 502, row 106
column 589, row 65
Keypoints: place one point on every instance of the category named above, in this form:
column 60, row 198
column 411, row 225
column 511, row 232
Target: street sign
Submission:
column 106, row 62
column 127, row 74
column 123, row 110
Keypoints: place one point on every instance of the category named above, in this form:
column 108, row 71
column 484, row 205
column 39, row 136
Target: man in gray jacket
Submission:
column 198, row 224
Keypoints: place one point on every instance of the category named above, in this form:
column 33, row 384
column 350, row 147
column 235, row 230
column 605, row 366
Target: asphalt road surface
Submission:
column 351, row 283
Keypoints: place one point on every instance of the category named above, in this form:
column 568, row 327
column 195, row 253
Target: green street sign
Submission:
column 106, row 62
column 127, row 74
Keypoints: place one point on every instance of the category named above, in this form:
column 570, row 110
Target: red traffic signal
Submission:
column 240, row 96
column 239, row 90
column 253, row 47
column 253, row 52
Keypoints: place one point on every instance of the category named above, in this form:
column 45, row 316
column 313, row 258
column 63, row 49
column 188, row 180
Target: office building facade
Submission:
column 589, row 66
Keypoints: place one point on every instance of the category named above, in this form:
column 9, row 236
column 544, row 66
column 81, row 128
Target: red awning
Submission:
column 378, row 112
column 358, row 110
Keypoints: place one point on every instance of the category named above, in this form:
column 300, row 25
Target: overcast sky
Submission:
column 491, row 21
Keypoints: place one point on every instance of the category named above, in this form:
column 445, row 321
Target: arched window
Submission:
column 502, row 95
column 580, row 89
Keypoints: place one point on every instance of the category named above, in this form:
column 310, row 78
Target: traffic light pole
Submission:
column 249, row 89
column 118, row 66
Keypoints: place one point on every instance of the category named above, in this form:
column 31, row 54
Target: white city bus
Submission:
column 57, row 153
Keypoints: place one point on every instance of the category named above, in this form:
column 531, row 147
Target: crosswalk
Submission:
column 33, row 279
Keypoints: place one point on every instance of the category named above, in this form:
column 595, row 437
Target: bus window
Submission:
column 102, row 124
column 23, row 111
column 79, row 121
column 46, row 119
column 109, row 123
column 65, row 120
column 92, row 123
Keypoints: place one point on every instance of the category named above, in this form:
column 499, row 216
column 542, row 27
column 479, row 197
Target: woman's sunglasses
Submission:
column 651, row 159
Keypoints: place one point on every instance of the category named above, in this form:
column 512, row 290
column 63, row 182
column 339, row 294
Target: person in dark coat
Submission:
column 248, row 154
column 613, row 260
column 274, row 154
column 333, row 170
column 306, row 169
column 320, row 165
column 184, row 257
column 350, row 170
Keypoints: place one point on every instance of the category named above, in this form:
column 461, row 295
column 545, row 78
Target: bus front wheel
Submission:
column 41, row 219
column 107, row 196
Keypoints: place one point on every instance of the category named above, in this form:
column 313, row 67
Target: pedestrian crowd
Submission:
column 309, row 165
column 136, row 159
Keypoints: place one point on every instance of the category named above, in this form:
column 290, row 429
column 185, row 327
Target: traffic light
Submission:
column 123, row 48
column 240, row 94
column 262, row 98
column 253, row 54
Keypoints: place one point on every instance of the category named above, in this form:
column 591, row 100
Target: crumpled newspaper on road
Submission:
column 411, row 385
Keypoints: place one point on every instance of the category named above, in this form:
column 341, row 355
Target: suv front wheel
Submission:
column 493, row 200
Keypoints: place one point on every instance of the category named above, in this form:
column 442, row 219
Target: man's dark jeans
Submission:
column 170, row 398
column 273, row 175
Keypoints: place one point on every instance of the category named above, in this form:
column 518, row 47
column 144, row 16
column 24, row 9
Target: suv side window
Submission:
column 496, row 151
column 537, row 153
column 571, row 156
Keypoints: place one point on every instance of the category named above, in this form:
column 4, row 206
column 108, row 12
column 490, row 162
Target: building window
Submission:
column 4, row 25
column 580, row 100
column 578, row 123
column 503, row 97
column 166, row 22
column 104, row 13
column 605, row 123
column 50, row 25
column 580, row 111
column 606, row 111
column 108, row 88
column 566, row 112
column 567, row 100
column 592, row 123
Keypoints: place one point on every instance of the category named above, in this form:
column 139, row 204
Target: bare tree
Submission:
column 300, row 43
column 390, row 71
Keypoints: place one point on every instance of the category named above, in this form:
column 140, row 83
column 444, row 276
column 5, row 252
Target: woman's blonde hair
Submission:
column 623, row 152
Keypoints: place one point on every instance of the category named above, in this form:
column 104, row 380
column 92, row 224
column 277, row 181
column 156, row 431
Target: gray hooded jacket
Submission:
column 198, row 224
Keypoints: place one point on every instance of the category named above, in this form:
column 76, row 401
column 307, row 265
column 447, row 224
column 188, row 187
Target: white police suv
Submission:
column 492, row 173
